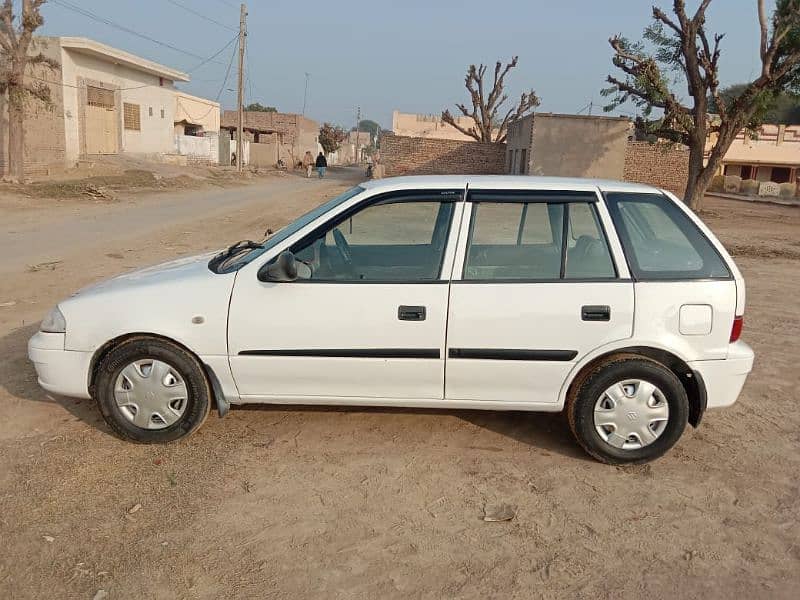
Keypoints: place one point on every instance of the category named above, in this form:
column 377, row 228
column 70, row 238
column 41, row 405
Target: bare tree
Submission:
column 15, row 57
column 681, row 44
column 489, row 127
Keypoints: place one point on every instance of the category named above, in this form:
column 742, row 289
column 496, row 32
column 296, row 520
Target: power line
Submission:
column 85, row 86
column 215, row 55
column 138, row 87
column 227, row 3
column 95, row 17
column 200, row 15
column 228, row 71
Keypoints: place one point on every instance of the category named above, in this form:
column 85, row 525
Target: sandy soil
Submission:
column 299, row 503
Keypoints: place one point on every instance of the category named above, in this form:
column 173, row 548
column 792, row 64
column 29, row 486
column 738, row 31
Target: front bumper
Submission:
column 724, row 378
column 59, row 371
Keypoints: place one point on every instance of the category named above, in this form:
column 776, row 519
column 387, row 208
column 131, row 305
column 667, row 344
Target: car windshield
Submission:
column 247, row 253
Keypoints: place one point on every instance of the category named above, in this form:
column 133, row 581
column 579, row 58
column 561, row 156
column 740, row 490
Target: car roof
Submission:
column 511, row 182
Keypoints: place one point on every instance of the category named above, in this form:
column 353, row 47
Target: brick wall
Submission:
column 662, row 165
column 292, row 126
column 403, row 155
column 44, row 142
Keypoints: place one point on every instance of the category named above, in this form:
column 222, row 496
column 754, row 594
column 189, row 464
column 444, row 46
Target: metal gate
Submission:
column 101, row 122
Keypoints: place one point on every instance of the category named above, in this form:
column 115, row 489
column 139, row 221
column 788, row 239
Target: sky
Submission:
column 386, row 55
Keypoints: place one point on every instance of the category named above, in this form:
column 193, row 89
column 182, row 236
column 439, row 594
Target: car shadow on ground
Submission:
column 18, row 378
column 546, row 431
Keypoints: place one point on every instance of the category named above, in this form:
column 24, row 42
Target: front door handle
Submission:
column 411, row 313
column 596, row 313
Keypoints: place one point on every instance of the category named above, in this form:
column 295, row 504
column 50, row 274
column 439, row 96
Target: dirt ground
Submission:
column 302, row 503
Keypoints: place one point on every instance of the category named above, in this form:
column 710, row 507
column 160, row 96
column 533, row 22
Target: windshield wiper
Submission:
column 241, row 245
column 232, row 251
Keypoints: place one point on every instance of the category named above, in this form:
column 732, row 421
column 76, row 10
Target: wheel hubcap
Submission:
column 631, row 414
column 151, row 394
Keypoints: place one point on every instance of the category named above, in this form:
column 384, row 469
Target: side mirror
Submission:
column 283, row 269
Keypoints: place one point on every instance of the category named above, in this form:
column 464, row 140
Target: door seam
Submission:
column 449, row 290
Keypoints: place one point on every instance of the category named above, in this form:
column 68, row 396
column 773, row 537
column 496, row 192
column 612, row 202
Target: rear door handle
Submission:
column 411, row 313
column 598, row 312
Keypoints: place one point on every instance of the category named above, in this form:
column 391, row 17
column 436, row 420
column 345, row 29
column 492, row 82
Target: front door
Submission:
column 100, row 122
column 366, row 319
column 538, row 289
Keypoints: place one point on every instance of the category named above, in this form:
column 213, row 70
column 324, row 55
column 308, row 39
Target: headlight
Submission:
column 54, row 322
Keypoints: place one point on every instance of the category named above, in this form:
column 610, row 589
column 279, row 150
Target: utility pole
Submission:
column 240, row 105
column 305, row 94
column 357, row 154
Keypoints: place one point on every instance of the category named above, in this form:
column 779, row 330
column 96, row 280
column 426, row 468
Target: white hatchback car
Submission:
column 609, row 300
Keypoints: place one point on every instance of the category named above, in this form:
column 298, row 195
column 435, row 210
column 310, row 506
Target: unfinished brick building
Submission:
column 274, row 135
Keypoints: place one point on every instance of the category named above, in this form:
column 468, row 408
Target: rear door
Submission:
column 535, row 289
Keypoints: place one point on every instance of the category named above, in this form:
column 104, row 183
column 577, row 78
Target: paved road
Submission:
column 37, row 236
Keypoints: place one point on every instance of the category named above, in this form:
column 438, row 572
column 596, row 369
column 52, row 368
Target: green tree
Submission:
column 258, row 107
column 369, row 126
column 681, row 52
column 781, row 109
column 331, row 137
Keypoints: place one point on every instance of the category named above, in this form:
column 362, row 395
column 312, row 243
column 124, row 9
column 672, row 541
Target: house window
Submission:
column 150, row 111
column 747, row 172
column 162, row 113
column 733, row 170
column 97, row 96
column 132, row 116
column 522, row 161
column 780, row 174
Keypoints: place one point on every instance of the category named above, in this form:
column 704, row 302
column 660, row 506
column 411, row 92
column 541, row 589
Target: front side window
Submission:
column 242, row 254
column 661, row 241
column 539, row 240
column 401, row 239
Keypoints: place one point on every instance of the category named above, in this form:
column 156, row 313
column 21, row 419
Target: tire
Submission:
column 125, row 389
column 600, row 439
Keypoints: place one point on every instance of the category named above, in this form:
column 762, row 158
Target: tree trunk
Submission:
column 16, row 128
column 693, row 196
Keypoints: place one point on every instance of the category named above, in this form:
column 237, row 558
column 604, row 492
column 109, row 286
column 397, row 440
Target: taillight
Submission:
column 736, row 330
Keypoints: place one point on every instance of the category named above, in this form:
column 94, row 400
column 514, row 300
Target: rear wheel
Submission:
column 151, row 390
column 628, row 410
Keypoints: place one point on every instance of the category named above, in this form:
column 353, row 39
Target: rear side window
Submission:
column 661, row 241
column 588, row 255
column 537, row 239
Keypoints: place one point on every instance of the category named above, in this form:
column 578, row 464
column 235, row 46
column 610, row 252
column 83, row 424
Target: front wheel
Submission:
column 628, row 410
column 150, row 390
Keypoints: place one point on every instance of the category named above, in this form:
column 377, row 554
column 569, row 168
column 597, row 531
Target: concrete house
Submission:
column 568, row 145
column 772, row 155
column 105, row 101
column 429, row 126
column 196, row 128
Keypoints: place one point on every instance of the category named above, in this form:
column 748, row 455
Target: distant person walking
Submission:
column 308, row 162
column 322, row 165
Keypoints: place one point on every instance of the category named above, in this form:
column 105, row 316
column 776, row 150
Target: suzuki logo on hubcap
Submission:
column 632, row 416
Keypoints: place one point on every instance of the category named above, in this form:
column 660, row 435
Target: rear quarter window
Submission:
column 661, row 241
